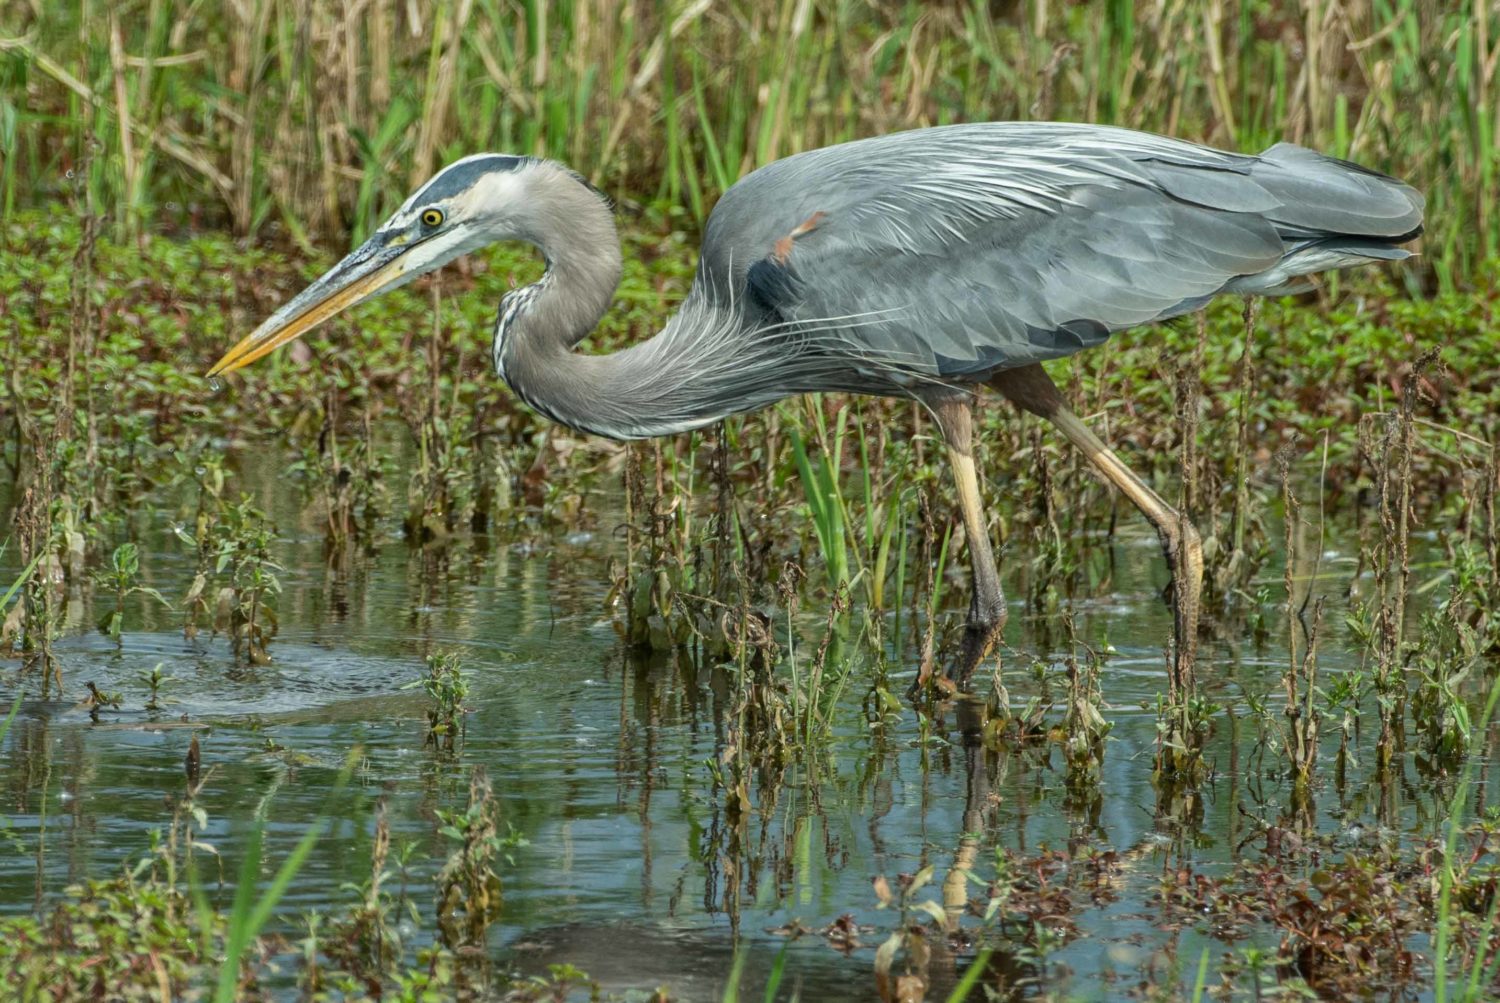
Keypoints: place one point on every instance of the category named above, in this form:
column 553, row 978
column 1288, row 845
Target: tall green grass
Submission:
column 1484, row 969
column 315, row 116
column 253, row 905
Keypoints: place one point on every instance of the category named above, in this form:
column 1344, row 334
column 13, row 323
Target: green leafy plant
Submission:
column 122, row 579
column 447, row 686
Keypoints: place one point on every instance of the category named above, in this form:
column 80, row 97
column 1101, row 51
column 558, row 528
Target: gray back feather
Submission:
column 977, row 248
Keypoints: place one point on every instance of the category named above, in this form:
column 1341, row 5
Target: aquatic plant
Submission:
column 1390, row 453
column 438, row 493
column 155, row 680
column 1299, row 738
column 468, row 888
column 363, row 945
column 121, row 578
column 814, row 697
column 1084, row 725
column 34, row 620
column 908, row 942
column 242, row 610
column 655, row 586
column 344, row 479
column 447, row 687
column 825, row 501
column 1232, row 558
column 1468, row 882
column 202, row 468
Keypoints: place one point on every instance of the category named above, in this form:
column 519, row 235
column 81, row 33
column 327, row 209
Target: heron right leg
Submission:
column 1031, row 389
column 955, row 417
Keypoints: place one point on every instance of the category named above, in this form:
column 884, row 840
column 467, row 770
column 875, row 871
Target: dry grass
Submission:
column 316, row 115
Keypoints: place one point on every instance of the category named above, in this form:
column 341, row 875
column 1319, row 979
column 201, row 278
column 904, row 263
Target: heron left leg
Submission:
column 955, row 417
column 1031, row 389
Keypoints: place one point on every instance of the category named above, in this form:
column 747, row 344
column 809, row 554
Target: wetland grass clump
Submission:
column 1237, row 548
column 1388, row 446
column 1458, row 641
column 122, row 579
column 1084, row 725
column 362, row 946
column 825, row 501
column 318, row 133
column 205, row 472
column 234, row 576
column 36, row 625
column 447, row 687
column 1299, row 738
column 815, row 695
column 469, row 894
column 243, row 607
column 673, row 589
column 343, row 471
column 438, row 492
column 1184, row 714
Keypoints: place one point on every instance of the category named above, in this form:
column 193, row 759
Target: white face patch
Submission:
column 477, row 197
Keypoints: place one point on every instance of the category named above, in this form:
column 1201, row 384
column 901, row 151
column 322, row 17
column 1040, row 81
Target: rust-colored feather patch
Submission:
column 782, row 251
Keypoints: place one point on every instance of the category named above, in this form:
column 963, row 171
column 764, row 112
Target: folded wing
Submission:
column 955, row 252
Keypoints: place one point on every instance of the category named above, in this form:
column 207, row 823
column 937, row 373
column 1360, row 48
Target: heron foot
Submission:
column 978, row 641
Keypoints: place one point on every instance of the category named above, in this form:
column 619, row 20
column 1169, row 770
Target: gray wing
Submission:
column 960, row 251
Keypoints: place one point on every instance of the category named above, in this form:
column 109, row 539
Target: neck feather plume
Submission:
column 712, row 359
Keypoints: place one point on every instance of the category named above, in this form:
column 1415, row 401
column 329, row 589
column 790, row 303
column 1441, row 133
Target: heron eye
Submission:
column 432, row 217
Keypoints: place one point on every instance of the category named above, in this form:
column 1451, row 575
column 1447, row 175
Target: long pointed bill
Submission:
column 368, row 270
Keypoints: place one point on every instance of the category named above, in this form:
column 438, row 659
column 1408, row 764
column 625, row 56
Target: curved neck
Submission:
column 571, row 225
column 674, row 381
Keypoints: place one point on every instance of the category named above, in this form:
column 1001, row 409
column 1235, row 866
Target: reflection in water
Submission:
column 644, row 863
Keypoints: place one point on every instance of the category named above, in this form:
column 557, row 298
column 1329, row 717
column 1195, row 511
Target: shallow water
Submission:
column 632, row 871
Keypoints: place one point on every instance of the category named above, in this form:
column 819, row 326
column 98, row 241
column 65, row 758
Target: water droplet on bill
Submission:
column 215, row 384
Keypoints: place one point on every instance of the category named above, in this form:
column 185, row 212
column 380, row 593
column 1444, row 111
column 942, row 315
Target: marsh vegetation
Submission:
column 356, row 679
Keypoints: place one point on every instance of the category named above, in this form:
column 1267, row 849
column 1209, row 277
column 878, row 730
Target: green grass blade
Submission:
column 971, row 978
column 736, row 970
column 778, row 969
column 1202, row 978
column 15, row 708
column 248, row 915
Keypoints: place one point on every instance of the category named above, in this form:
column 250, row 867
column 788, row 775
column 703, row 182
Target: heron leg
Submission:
column 1031, row 389
column 955, row 417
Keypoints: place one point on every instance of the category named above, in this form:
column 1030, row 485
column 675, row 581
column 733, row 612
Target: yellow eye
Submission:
column 432, row 217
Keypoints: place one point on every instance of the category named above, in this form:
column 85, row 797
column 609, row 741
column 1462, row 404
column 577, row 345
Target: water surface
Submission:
column 632, row 869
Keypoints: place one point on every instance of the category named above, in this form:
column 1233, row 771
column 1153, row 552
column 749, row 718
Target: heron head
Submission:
column 468, row 204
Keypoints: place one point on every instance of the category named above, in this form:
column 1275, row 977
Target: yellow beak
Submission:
column 348, row 282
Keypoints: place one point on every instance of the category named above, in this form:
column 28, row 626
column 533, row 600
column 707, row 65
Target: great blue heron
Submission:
column 922, row 264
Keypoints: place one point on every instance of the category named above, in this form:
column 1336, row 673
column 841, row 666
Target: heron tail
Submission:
column 1333, row 214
